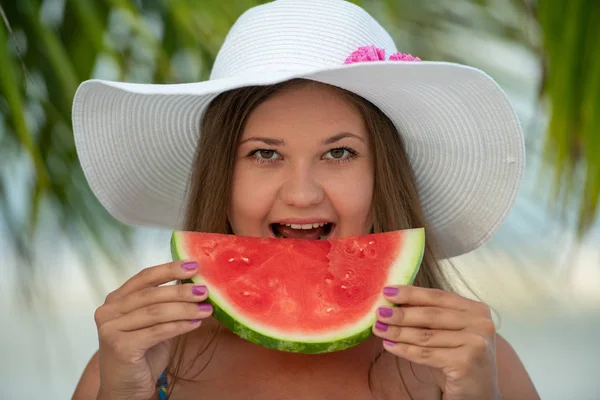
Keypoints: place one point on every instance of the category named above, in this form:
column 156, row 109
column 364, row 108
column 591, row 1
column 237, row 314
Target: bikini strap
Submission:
column 162, row 386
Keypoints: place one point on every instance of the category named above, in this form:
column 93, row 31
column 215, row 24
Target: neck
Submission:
column 232, row 352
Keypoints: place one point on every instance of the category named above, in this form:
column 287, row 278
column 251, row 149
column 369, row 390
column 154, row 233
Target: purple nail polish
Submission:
column 205, row 307
column 195, row 321
column 390, row 291
column 386, row 312
column 198, row 290
column 189, row 265
column 388, row 342
column 380, row 326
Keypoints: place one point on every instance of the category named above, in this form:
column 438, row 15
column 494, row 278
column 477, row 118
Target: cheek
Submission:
column 352, row 197
column 251, row 201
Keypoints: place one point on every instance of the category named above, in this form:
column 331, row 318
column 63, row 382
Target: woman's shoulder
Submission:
column 513, row 379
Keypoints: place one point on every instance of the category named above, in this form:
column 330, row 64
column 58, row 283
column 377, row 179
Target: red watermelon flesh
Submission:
column 301, row 295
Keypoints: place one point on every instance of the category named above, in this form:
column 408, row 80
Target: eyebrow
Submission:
column 266, row 140
column 340, row 136
column 278, row 142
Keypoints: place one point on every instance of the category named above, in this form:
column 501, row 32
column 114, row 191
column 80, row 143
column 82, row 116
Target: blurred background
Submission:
column 61, row 253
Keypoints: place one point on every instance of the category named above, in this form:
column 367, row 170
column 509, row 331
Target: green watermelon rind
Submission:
column 416, row 237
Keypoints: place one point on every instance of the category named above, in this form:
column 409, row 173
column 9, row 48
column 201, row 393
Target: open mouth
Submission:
column 314, row 231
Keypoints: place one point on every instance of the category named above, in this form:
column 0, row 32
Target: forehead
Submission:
column 312, row 109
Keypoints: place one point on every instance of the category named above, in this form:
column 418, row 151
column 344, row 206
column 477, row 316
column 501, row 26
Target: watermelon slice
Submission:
column 305, row 296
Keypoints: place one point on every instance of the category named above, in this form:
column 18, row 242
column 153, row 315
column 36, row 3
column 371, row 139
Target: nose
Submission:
column 301, row 188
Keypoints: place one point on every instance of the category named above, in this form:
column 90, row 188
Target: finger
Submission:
column 157, row 275
column 420, row 336
column 419, row 296
column 161, row 313
column 425, row 317
column 134, row 344
column 431, row 356
column 162, row 294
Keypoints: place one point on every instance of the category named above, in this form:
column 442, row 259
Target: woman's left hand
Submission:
column 447, row 332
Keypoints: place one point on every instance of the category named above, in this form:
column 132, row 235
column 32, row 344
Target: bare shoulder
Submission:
column 514, row 381
column 89, row 383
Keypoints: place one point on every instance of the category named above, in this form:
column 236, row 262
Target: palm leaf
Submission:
column 571, row 87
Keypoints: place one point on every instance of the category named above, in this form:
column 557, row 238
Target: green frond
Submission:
column 12, row 92
column 571, row 87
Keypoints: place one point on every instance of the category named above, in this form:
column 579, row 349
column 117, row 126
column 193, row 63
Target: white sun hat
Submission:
column 136, row 142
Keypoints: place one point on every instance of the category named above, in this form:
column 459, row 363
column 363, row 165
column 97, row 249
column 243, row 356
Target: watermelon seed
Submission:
column 344, row 287
column 244, row 259
column 329, row 309
column 371, row 253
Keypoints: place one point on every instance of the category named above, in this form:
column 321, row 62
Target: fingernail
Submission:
column 205, row 307
column 195, row 321
column 388, row 342
column 189, row 265
column 380, row 326
column 390, row 291
column 198, row 290
column 386, row 312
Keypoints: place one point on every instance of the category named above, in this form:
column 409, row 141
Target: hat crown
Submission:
column 289, row 35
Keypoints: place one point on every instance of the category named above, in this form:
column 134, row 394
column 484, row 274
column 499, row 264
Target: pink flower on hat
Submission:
column 372, row 53
column 403, row 57
column 366, row 53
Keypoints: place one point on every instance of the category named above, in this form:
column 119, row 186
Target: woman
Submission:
column 289, row 133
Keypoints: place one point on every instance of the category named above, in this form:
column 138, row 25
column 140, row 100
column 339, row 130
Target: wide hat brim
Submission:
column 136, row 142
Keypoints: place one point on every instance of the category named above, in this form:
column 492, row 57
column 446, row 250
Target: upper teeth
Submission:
column 305, row 226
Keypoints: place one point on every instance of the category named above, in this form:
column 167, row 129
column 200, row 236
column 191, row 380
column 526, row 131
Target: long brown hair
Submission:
column 395, row 203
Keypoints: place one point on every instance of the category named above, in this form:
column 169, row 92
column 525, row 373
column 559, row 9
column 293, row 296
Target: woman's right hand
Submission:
column 136, row 326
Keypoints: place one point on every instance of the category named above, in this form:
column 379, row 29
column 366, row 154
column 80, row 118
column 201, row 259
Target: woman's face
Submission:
column 303, row 168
